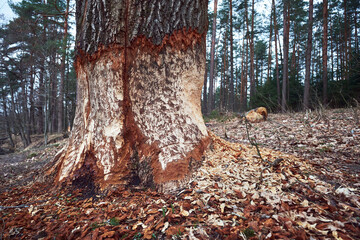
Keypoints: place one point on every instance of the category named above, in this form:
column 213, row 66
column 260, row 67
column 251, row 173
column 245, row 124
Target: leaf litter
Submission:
column 311, row 193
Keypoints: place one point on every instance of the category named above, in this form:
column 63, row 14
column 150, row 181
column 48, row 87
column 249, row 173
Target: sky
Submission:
column 5, row 11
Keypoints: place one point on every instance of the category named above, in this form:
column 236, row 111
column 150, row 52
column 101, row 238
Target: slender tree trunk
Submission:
column 224, row 86
column 7, row 122
column 231, row 94
column 211, row 100
column 204, row 102
column 270, row 41
column 346, row 36
column 331, row 49
column 53, row 94
column 60, row 107
column 252, row 69
column 356, row 33
column 286, row 53
column 243, row 78
column 278, row 89
column 25, row 111
column 243, row 96
column 308, row 57
column 324, row 51
column 31, row 99
column 138, row 119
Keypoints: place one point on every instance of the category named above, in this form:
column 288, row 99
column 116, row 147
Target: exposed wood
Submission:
column 146, row 128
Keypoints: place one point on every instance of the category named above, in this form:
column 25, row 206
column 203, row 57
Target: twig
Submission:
column 254, row 143
column 18, row 206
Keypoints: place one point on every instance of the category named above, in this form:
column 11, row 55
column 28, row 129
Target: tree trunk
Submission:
column 204, row 102
column 308, row 57
column 211, row 99
column 140, row 69
column 243, row 93
column 356, row 33
column 231, row 94
column 286, row 54
column 6, row 116
column 270, row 41
column 324, row 50
column 60, row 107
column 252, row 69
column 224, row 89
column 346, row 36
column 278, row 89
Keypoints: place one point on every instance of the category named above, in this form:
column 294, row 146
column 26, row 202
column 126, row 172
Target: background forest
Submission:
column 288, row 56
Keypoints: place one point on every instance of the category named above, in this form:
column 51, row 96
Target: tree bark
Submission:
column 270, row 41
column 243, row 93
column 252, row 69
column 140, row 68
column 7, row 122
column 346, row 36
column 278, row 89
column 286, row 54
column 324, row 51
column 231, row 97
column 60, row 107
column 205, row 101
column 212, row 61
column 308, row 57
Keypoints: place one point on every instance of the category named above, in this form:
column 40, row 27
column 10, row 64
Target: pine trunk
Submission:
column 308, row 57
column 140, row 69
column 252, row 69
column 286, row 54
column 231, row 93
column 63, row 71
column 324, row 51
column 270, row 41
column 211, row 99
column 278, row 89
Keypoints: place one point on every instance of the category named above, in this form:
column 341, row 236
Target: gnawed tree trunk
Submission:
column 140, row 68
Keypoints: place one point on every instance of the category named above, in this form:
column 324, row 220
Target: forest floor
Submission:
column 303, row 183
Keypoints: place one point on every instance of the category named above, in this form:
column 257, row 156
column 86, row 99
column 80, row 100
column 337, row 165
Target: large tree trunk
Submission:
column 140, row 68
column 308, row 57
column 211, row 105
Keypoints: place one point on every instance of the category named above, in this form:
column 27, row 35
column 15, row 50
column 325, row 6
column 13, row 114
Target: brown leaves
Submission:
column 225, row 200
